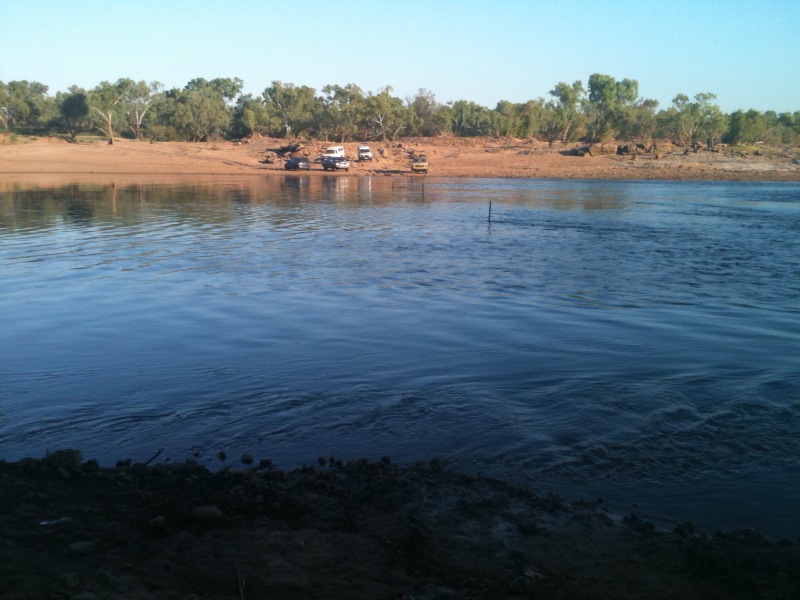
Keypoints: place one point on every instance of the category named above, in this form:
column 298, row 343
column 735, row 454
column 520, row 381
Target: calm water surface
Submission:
column 639, row 340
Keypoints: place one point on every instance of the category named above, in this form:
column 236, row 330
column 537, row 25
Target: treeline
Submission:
column 603, row 110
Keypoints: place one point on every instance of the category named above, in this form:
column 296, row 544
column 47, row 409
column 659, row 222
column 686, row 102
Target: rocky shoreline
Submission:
column 74, row 530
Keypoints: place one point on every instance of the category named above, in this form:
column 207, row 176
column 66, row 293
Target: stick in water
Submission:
column 490, row 211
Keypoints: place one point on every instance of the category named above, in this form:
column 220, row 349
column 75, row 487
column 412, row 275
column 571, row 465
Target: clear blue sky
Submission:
column 747, row 52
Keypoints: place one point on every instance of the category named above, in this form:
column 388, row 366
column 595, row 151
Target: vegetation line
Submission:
column 604, row 110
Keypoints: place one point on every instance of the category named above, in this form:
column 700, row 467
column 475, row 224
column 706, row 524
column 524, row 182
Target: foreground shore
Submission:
column 363, row 529
column 55, row 161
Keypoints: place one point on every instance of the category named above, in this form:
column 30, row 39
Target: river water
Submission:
column 636, row 340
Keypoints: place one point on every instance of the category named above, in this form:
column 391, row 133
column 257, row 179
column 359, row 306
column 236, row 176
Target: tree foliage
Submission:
column 24, row 105
column 74, row 110
column 291, row 110
column 604, row 109
column 107, row 107
column 566, row 111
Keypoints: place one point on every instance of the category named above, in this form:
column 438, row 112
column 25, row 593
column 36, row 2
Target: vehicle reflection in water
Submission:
column 297, row 186
column 336, row 187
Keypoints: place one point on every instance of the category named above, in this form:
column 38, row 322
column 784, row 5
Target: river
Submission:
column 635, row 340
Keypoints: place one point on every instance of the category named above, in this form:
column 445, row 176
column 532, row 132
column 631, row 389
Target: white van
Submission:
column 337, row 151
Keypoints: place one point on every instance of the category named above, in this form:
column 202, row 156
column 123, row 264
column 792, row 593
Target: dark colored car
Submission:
column 335, row 163
column 297, row 163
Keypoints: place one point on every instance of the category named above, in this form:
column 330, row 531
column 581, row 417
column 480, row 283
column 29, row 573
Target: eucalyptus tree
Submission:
column 506, row 119
column 609, row 105
column 198, row 116
column 200, row 111
column 343, row 110
column 789, row 127
column 640, row 122
column 251, row 117
column 551, row 124
column 293, row 107
column 690, row 120
column 531, row 114
column 4, row 105
column 566, row 109
column 385, row 116
column 139, row 97
column 25, row 105
column 753, row 127
column 74, row 109
column 428, row 118
column 224, row 89
column 468, row 118
column 106, row 102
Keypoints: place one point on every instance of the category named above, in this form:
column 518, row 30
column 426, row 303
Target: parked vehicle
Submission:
column 335, row 163
column 364, row 153
column 419, row 164
column 337, row 151
column 297, row 163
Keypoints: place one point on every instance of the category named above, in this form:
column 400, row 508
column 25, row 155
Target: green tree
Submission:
column 752, row 127
column 641, row 120
column 200, row 111
column 199, row 116
column 291, row 106
column 106, row 102
column 531, row 115
column 567, row 109
column 138, row 99
column 609, row 106
column 690, row 121
column 385, row 116
column 428, row 117
column 74, row 110
column 507, row 119
column 4, row 105
column 343, row 112
column 469, row 119
column 25, row 105
column 251, row 117
column 788, row 125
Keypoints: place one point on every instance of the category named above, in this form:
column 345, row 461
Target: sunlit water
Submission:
column 639, row 340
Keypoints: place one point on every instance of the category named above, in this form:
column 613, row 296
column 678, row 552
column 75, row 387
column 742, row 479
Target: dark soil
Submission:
column 75, row 531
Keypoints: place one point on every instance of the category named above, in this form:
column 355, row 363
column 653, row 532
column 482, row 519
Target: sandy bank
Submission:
column 57, row 161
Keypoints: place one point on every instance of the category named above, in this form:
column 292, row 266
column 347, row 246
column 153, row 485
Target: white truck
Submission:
column 364, row 153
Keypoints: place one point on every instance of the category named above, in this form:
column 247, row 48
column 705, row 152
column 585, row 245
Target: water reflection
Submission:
column 596, row 332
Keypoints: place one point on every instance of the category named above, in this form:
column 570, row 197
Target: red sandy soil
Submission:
column 54, row 160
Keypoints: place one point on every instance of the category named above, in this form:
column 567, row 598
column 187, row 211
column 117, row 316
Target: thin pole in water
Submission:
column 490, row 211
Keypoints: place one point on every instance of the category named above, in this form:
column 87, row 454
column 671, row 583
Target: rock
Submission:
column 206, row 513
column 70, row 580
column 247, row 459
column 81, row 547
column 158, row 522
column 65, row 459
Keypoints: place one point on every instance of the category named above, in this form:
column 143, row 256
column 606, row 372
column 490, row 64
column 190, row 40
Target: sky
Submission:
column 747, row 52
